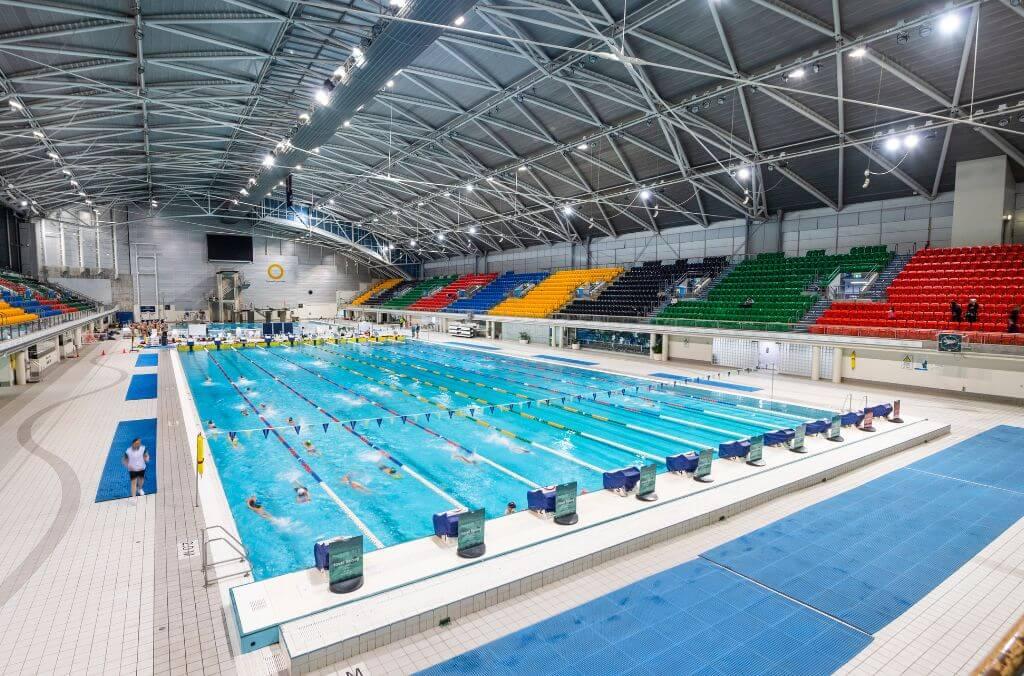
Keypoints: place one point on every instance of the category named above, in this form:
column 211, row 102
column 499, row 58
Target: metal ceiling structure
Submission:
column 463, row 127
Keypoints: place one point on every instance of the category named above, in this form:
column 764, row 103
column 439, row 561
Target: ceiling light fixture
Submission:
column 797, row 73
column 268, row 160
column 583, row 146
column 892, row 143
column 15, row 105
column 567, row 210
column 645, row 194
column 459, row 20
column 743, row 173
column 390, row 84
column 949, row 23
column 322, row 97
column 472, row 229
column 38, row 134
column 910, row 141
column 858, row 52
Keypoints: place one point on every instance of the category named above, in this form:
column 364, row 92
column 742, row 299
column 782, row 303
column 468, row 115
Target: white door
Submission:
column 768, row 355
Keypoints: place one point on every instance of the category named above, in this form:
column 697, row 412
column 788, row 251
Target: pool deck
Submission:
column 135, row 604
column 316, row 628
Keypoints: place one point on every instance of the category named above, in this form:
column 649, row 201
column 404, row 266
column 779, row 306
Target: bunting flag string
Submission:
column 232, row 435
column 428, row 417
column 450, row 414
column 325, row 426
column 266, row 433
column 298, row 428
column 379, row 421
column 353, row 424
column 404, row 418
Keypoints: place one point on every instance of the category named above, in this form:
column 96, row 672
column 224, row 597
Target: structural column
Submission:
column 816, row 362
column 837, row 365
column 21, row 367
column 78, row 337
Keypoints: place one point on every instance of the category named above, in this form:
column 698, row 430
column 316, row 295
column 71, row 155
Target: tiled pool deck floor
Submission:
column 100, row 588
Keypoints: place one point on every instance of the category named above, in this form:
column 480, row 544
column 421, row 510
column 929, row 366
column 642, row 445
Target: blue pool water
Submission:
column 485, row 455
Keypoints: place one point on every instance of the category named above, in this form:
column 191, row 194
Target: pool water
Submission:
column 475, row 434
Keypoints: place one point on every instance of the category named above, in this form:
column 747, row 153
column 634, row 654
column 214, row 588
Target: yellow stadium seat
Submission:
column 374, row 290
column 552, row 293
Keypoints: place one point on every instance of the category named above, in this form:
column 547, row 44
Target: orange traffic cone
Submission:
column 123, row 351
column 103, row 353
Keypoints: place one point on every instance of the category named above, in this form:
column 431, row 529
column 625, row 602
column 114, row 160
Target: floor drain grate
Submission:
column 187, row 549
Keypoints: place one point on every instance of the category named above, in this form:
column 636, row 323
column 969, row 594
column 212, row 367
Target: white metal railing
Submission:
column 223, row 535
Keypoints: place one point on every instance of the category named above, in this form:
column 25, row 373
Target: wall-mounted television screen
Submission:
column 233, row 248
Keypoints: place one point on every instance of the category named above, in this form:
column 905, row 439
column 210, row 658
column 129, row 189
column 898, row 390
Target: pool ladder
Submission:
column 218, row 533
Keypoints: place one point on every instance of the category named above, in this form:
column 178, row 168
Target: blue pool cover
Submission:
column 113, row 482
column 768, row 602
column 868, row 554
column 142, row 386
column 695, row 618
column 147, row 359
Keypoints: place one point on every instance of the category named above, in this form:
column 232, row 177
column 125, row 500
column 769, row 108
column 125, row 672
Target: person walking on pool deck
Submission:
column 135, row 459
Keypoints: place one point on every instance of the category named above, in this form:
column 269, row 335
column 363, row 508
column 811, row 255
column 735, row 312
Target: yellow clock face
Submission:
column 275, row 271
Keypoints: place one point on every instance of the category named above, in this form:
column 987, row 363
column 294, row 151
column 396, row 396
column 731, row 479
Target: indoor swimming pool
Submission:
column 313, row 442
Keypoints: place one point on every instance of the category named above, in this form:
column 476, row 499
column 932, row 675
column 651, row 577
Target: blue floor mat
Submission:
column 708, row 381
column 567, row 360
column 142, row 386
column 692, row 619
column 147, row 359
column 997, row 459
column 114, row 480
column 867, row 555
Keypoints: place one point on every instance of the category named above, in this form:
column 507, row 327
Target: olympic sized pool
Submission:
column 312, row 442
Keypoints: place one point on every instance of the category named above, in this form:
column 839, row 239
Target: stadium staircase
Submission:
column 920, row 297
column 495, row 292
column 885, row 277
column 776, row 284
column 423, row 288
column 379, row 287
column 552, row 293
column 450, row 293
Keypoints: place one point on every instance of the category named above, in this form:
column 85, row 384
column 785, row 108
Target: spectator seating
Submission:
column 450, row 293
column 777, row 284
column 553, row 292
column 9, row 316
column 920, row 297
column 495, row 292
column 640, row 290
column 377, row 288
column 23, row 299
column 387, row 294
column 424, row 288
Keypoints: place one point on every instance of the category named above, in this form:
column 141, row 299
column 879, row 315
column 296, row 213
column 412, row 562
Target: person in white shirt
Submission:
column 135, row 459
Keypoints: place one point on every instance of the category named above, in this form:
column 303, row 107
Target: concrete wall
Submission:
column 906, row 224
column 975, row 374
column 689, row 349
column 128, row 242
column 983, row 197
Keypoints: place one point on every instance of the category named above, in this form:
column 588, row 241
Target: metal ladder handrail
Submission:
column 228, row 538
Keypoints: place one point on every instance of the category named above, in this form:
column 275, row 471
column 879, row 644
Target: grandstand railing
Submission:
column 26, row 328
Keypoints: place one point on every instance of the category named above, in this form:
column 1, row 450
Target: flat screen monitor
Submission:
column 230, row 248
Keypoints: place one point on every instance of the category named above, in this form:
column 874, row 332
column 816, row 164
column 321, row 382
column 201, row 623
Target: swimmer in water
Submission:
column 263, row 406
column 245, row 413
column 290, row 421
column 385, row 467
column 301, row 495
column 310, row 448
column 510, row 508
column 211, row 425
column 254, row 504
column 209, row 379
column 462, row 458
column 353, row 484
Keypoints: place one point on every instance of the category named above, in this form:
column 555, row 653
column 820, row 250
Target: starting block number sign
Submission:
column 346, row 559
column 565, row 499
column 471, row 529
column 648, row 476
column 704, row 463
column 756, row 451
